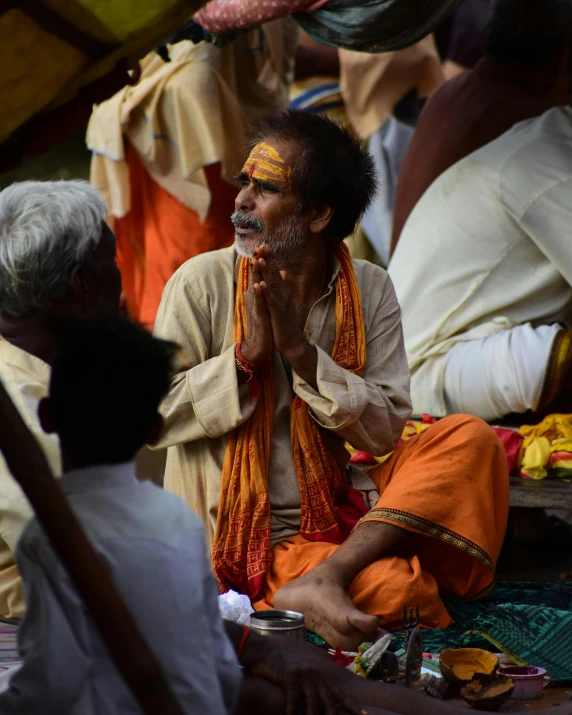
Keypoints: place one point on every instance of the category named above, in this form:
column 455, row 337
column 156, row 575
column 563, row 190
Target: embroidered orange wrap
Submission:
column 241, row 550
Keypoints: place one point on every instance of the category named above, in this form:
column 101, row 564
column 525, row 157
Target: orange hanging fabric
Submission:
column 241, row 549
column 160, row 233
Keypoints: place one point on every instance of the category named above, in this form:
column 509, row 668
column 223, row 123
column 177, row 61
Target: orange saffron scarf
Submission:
column 241, row 550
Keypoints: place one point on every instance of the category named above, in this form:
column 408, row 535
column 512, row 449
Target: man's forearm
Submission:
column 255, row 646
column 392, row 698
column 370, row 694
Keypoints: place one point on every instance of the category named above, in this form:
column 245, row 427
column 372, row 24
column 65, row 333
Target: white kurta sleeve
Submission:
column 546, row 220
column 227, row 667
column 369, row 411
column 54, row 669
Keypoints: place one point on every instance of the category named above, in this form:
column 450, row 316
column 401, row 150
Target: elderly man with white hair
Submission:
column 57, row 258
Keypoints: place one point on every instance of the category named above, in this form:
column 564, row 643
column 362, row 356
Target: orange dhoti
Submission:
column 449, row 487
column 159, row 234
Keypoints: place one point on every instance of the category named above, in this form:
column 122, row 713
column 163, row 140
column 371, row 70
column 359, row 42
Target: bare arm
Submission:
column 277, row 660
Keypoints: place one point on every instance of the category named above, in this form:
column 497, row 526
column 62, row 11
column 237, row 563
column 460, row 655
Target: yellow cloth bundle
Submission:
column 547, row 448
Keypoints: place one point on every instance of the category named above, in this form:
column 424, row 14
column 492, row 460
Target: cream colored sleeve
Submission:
column 55, row 668
column 15, row 512
column 15, row 509
column 205, row 399
column 370, row 411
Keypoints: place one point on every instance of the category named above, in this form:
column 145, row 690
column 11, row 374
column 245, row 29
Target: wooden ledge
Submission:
column 543, row 493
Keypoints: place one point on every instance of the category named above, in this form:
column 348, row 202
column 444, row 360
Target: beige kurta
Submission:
column 205, row 402
column 26, row 379
column 372, row 84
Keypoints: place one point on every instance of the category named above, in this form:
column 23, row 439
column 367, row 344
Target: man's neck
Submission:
column 29, row 334
column 551, row 81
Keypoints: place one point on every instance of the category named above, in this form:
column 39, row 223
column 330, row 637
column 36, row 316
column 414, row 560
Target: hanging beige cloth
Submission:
column 372, row 84
column 191, row 112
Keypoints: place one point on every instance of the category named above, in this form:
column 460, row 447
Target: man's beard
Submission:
column 287, row 242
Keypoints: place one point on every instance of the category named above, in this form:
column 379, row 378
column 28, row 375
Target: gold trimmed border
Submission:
column 557, row 369
column 428, row 527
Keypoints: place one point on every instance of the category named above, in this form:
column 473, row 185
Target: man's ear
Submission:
column 46, row 416
column 322, row 215
column 155, row 430
column 79, row 287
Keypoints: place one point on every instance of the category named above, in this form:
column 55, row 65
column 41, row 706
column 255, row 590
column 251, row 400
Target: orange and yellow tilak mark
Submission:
column 266, row 164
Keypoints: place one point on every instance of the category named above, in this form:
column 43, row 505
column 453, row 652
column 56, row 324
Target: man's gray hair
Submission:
column 46, row 228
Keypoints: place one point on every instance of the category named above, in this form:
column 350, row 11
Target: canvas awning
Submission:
column 54, row 53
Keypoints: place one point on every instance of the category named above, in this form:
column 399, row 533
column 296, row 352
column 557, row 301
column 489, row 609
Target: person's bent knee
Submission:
column 474, row 434
column 473, row 425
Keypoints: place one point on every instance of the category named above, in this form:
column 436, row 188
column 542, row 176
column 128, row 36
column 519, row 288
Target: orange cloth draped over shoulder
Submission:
column 241, row 552
column 449, row 487
column 159, row 234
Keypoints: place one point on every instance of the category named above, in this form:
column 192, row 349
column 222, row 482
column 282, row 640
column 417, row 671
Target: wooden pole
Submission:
column 134, row 659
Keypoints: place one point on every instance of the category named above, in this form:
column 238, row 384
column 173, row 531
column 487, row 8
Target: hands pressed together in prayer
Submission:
column 272, row 319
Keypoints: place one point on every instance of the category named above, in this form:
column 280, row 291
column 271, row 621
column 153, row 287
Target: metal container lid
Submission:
column 277, row 620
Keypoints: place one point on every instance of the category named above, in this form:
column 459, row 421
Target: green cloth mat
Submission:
column 532, row 621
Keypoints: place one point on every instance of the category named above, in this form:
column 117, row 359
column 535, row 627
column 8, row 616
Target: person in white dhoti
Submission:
column 483, row 274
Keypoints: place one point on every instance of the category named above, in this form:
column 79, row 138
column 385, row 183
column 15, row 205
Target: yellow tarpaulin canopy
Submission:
column 50, row 49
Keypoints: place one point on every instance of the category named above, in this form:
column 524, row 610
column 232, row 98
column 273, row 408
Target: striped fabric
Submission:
column 8, row 643
column 319, row 95
column 9, row 657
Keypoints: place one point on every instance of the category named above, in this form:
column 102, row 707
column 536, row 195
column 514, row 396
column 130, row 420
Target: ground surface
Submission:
column 550, row 697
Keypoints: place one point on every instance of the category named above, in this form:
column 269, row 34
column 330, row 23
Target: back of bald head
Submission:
column 528, row 33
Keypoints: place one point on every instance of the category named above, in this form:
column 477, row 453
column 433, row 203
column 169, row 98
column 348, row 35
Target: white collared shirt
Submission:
column 154, row 548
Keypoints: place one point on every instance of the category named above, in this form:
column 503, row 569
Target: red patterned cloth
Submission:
column 226, row 16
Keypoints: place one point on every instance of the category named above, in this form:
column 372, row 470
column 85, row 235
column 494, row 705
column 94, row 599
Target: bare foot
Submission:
column 327, row 609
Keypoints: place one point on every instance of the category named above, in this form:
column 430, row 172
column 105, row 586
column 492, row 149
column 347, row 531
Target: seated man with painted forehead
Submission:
column 293, row 350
